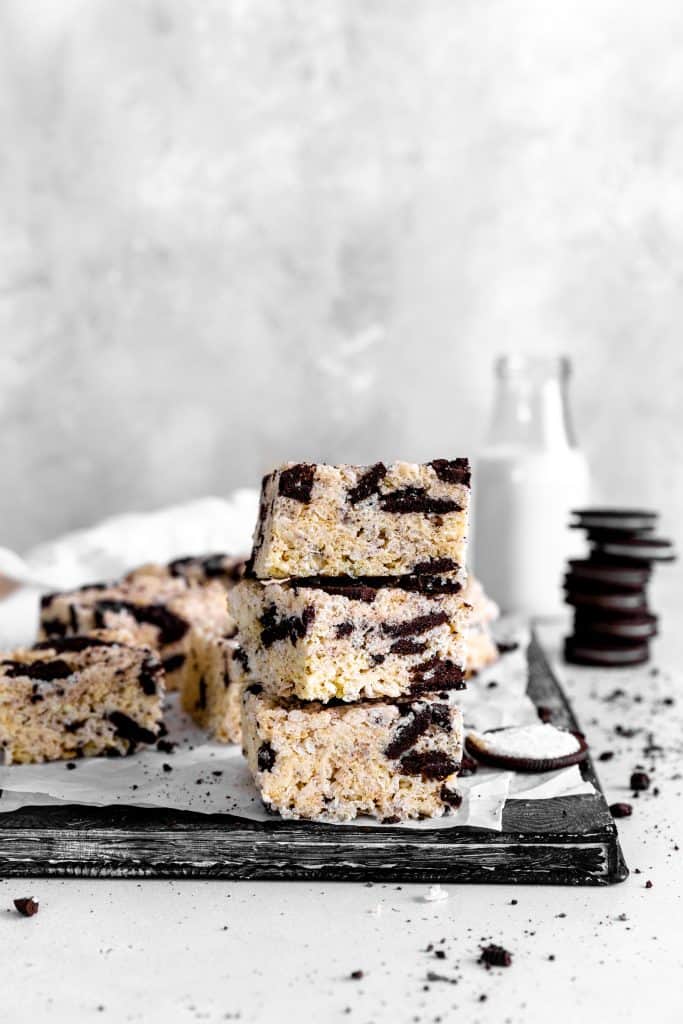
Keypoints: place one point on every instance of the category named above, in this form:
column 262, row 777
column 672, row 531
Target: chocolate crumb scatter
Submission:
column 26, row 906
column 606, row 755
column 648, row 884
column 165, row 747
column 356, row 975
column 167, row 767
column 368, row 483
column 640, row 781
column 297, row 482
column 495, row 956
column 621, row 810
column 544, row 713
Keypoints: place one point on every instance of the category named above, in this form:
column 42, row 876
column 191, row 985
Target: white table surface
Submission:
column 252, row 951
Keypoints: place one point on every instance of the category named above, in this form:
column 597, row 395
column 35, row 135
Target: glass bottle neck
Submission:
column 531, row 405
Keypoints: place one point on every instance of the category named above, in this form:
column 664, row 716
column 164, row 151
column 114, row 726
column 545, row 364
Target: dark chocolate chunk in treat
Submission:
column 437, row 674
column 406, row 646
column 171, row 627
column 416, row 499
column 72, row 727
column 409, row 732
column 43, row 671
column 621, row 810
column 451, row 797
column 377, row 659
column 26, row 906
column 265, row 758
column 297, row 482
column 434, row 566
column 605, row 653
column 173, row 663
column 366, row 591
column 292, row 627
column 368, row 483
column 452, row 471
column 128, row 729
column 254, row 688
column 495, row 956
column 343, row 629
column 201, row 695
column 416, row 626
column 150, row 676
column 430, row 764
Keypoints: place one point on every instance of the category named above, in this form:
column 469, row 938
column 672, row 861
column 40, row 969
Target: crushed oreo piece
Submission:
column 297, row 482
column 357, row 975
column 414, row 627
column 292, row 627
column 240, row 655
column 495, row 956
column 26, row 906
column 128, row 729
column 43, row 671
column 150, row 674
column 451, row 797
column 430, row 764
column 621, row 810
column 434, row 566
column 368, row 483
column 166, row 746
column 437, row 674
column 406, row 646
column 409, row 732
column 416, row 499
column 452, row 471
column 640, row 781
column 343, row 629
column 265, row 758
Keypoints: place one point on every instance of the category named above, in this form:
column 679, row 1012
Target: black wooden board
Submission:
column 562, row 841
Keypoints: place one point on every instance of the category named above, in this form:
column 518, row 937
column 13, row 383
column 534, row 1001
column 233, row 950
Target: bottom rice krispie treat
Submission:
column 212, row 686
column 333, row 762
column 79, row 696
column 480, row 647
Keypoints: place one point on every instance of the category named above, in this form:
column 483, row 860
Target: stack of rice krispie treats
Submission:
column 351, row 624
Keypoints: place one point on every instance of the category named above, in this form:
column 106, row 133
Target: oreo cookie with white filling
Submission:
column 620, row 626
column 539, row 747
column 615, row 519
column 647, row 549
column 628, row 574
column 583, row 594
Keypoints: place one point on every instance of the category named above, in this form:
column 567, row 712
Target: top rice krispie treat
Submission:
column 401, row 519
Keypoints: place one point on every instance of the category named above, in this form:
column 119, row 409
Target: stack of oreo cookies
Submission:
column 613, row 623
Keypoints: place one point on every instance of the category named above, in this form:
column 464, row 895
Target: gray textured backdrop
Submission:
column 240, row 231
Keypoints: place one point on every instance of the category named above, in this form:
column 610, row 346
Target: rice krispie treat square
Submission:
column 331, row 763
column 158, row 612
column 79, row 696
column 213, row 684
column 322, row 639
column 401, row 519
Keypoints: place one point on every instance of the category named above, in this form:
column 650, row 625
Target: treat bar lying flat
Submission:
column 363, row 520
column 157, row 611
column 331, row 763
column 322, row 639
column 79, row 696
column 226, row 569
column 212, row 687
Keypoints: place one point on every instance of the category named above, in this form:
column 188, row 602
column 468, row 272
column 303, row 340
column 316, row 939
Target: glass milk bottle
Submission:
column 527, row 479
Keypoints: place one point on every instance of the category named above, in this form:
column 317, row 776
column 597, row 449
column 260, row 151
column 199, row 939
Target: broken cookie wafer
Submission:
column 343, row 639
column 381, row 520
column 527, row 748
column 393, row 761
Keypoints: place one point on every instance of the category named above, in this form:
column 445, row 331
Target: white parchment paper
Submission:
column 208, row 777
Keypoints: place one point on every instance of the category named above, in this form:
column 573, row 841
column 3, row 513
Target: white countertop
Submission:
column 248, row 951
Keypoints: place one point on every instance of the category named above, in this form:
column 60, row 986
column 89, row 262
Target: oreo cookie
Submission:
column 604, row 596
column 631, row 626
column 596, row 534
column 614, row 518
column 540, row 747
column 627, row 574
column 646, row 549
column 603, row 653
